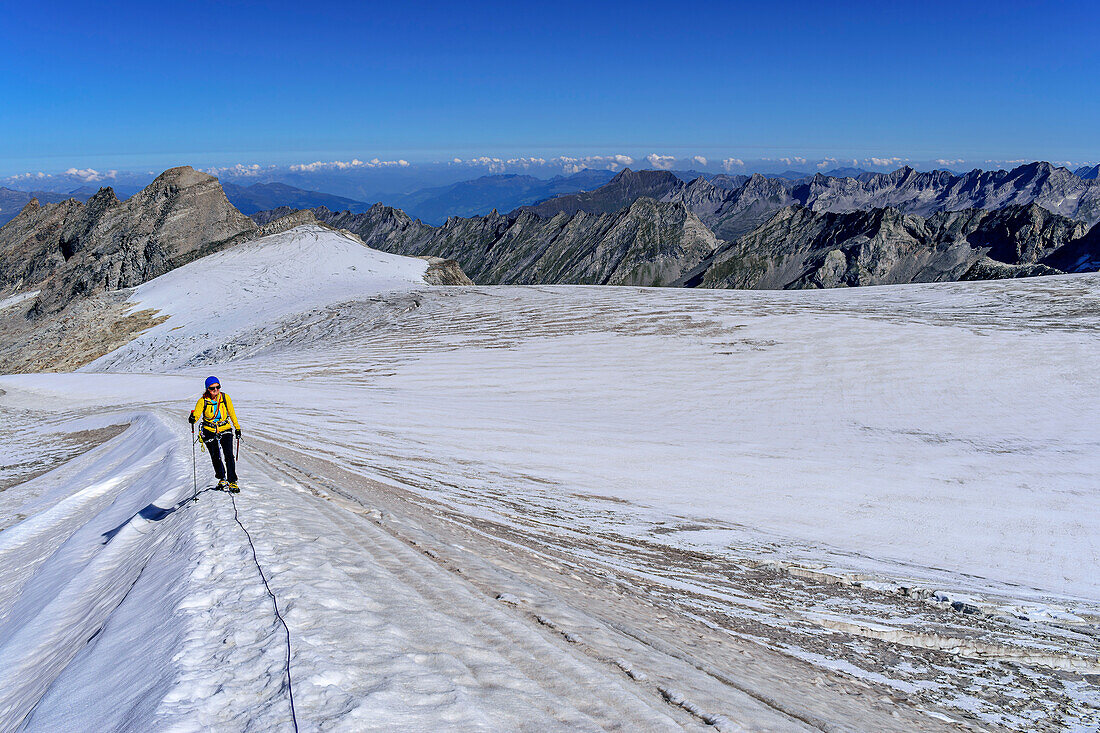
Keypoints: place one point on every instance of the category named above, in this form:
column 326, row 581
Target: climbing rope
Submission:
column 275, row 604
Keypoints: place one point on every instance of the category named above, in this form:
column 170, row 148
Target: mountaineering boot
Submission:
column 233, row 488
column 222, row 484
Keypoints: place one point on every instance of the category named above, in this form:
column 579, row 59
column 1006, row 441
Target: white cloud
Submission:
column 340, row 165
column 239, row 170
column 596, row 162
column 569, row 165
column 566, row 164
column 946, row 161
column 827, row 163
column 700, row 160
column 792, row 161
column 885, row 162
column 90, row 175
column 730, row 163
column 29, row 176
column 661, row 162
column 495, row 165
column 527, row 162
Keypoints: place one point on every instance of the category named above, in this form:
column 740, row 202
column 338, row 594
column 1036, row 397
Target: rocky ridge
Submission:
column 72, row 249
column 664, row 243
column 647, row 243
column 735, row 206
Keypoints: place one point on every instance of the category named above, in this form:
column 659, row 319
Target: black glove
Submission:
column 238, row 432
column 191, row 418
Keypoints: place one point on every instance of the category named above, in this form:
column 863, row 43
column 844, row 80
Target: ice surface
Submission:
column 935, row 436
column 17, row 298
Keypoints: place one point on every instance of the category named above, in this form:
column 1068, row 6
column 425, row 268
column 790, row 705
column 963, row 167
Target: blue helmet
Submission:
column 210, row 381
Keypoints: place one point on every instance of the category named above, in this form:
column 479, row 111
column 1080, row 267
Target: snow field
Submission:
column 920, row 445
column 675, row 478
column 257, row 282
column 401, row 646
column 68, row 567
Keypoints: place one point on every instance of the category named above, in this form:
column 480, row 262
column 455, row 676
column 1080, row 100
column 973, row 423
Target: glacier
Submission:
column 560, row 507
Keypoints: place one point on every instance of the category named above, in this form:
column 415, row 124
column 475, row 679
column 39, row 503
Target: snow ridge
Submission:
column 261, row 281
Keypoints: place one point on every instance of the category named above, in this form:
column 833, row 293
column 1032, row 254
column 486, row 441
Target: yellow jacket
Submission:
column 215, row 414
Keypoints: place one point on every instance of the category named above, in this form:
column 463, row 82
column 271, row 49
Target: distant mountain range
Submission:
column 433, row 205
column 260, row 196
column 737, row 205
column 645, row 228
column 489, row 193
column 585, row 239
column 12, row 202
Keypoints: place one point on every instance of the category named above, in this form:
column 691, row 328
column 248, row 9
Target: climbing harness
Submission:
column 214, row 426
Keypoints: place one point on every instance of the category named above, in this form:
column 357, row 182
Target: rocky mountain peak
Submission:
column 30, row 207
column 644, row 180
column 180, row 177
column 71, row 249
column 1038, row 167
column 899, row 176
column 102, row 199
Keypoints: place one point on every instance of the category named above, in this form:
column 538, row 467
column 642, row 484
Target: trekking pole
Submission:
column 194, row 465
column 237, row 455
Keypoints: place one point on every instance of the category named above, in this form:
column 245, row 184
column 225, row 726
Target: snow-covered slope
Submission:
column 258, row 282
column 563, row 507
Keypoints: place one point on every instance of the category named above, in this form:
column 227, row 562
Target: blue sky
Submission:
column 127, row 85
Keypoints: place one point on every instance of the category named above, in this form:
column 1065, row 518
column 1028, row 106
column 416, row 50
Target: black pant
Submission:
column 218, row 444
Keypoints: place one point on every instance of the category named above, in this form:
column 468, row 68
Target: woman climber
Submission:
column 215, row 410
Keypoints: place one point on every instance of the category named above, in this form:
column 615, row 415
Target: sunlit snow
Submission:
column 940, row 437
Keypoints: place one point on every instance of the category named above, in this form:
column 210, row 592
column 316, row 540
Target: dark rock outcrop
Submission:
column 987, row 269
column 445, row 272
column 1080, row 255
column 287, row 221
column 802, row 248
